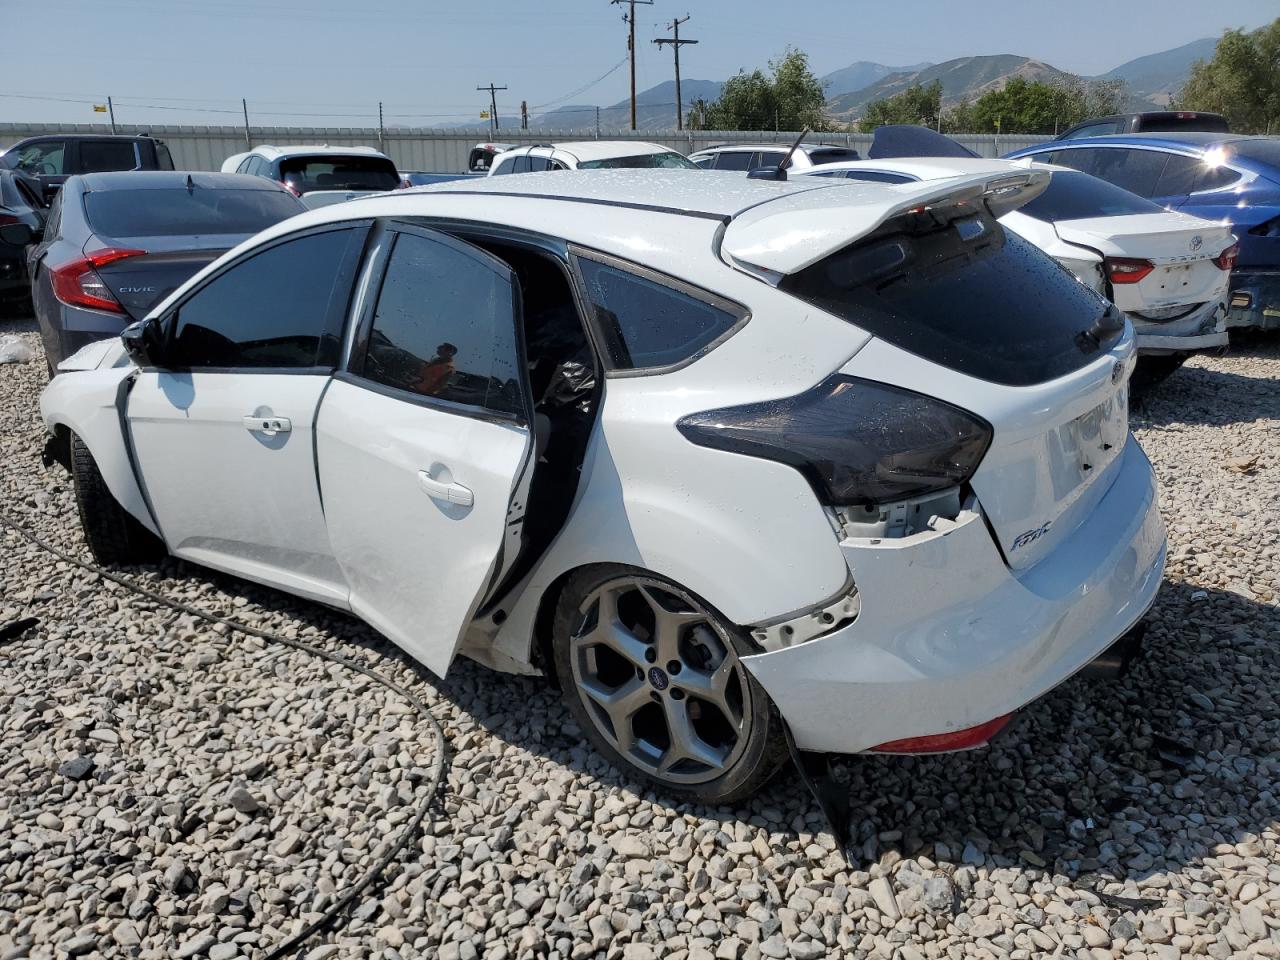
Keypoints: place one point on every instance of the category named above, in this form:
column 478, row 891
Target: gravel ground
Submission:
column 170, row 790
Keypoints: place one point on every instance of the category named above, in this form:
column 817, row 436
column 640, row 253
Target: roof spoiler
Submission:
column 783, row 236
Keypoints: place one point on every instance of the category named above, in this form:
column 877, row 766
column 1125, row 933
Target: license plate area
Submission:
column 1092, row 440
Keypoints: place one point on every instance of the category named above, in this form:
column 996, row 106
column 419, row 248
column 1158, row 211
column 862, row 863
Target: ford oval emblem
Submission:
column 1196, row 242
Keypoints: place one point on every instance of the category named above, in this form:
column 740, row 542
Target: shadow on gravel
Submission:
column 1197, row 394
column 1097, row 781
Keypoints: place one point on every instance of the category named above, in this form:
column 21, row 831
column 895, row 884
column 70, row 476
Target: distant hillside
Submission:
column 655, row 109
column 861, row 74
column 1156, row 77
column 965, row 78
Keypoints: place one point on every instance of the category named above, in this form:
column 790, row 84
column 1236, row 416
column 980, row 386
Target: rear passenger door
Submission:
column 423, row 438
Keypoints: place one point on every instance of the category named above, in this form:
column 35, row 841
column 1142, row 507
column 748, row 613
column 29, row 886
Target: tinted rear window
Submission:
column 1077, row 196
column 835, row 155
column 339, row 173
column 166, row 213
column 1169, row 124
column 102, row 156
column 644, row 161
column 968, row 295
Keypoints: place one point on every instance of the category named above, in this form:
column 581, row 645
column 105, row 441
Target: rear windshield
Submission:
column 965, row 294
column 339, row 173
column 1172, row 124
column 1078, row 196
column 167, row 213
column 833, row 155
column 645, row 161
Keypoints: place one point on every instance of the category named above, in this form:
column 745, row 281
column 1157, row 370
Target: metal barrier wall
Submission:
column 445, row 151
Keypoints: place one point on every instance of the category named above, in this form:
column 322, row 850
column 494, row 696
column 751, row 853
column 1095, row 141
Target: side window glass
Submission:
column 283, row 307
column 52, row 224
column 1135, row 170
column 29, row 196
column 648, row 324
column 100, row 156
column 164, row 159
column 703, row 162
column 506, row 166
column 444, row 327
column 522, row 164
column 1086, row 161
column 539, row 164
column 1215, row 178
column 1178, row 177
column 46, row 158
column 734, row 160
column 767, row 158
column 245, row 164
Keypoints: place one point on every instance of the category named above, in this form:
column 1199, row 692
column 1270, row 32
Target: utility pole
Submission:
column 630, row 19
column 493, row 105
column 381, row 134
column 676, row 42
column 245, row 106
column 111, row 112
column 524, row 114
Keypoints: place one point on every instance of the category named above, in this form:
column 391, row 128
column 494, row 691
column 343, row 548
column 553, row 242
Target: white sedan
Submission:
column 1168, row 271
column 724, row 456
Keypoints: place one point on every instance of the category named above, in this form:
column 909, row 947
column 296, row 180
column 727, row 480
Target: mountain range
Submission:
column 1150, row 81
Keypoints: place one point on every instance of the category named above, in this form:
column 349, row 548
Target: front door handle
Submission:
column 448, row 492
column 267, row 425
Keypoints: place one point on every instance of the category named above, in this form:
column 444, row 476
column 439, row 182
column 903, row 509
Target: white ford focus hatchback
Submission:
column 720, row 456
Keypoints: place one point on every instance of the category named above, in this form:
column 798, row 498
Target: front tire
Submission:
column 115, row 536
column 653, row 675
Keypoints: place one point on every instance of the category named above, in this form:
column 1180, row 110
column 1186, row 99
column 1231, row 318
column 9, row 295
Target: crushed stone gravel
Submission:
column 168, row 789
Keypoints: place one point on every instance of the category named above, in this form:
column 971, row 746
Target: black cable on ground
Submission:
column 437, row 767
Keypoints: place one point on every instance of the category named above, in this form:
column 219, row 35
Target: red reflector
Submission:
column 1127, row 270
column 1227, row 258
column 78, row 285
column 944, row 742
column 6, row 219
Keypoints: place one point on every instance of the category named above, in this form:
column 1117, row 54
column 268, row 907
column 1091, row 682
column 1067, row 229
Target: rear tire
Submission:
column 115, row 536
column 671, row 664
column 1152, row 371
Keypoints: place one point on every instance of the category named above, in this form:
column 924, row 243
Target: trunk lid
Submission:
column 1182, row 249
column 141, row 281
column 324, row 198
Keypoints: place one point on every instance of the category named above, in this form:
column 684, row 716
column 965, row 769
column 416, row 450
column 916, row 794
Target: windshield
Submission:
column 966, row 294
column 169, row 213
column 1078, row 196
column 336, row 172
column 645, row 161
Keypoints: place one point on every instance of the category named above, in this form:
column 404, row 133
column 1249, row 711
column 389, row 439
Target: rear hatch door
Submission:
column 324, row 198
column 1181, row 249
column 144, row 279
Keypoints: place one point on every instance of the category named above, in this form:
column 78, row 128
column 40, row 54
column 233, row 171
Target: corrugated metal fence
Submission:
column 444, row 151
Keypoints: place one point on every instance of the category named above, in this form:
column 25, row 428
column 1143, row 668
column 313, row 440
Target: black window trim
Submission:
column 166, row 319
column 382, row 243
column 701, row 294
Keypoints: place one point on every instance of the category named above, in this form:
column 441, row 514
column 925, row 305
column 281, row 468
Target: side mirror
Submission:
column 17, row 234
column 144, row 342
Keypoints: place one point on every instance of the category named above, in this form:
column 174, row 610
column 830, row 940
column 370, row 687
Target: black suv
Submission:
column 1153, row 121
column 51, row 159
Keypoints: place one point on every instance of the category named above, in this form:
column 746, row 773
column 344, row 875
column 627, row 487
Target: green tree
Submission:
column 917, row 104
column 1033, row 106
column 790, row 97
column 1242, row 81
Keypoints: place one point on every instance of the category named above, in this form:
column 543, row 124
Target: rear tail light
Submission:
column 1126, row 269
column 1226, row 260
column 6, row 219
column 965, row 739
column 77, row 283
column 857, row 441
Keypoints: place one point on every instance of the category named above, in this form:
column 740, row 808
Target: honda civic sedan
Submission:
column 722, row 458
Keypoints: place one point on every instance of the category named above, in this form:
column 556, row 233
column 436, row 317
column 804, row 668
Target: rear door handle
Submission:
column 448, row 492
column 268, row 425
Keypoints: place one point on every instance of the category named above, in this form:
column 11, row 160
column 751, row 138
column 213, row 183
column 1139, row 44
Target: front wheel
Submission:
column 115, row 536
column 653, row 674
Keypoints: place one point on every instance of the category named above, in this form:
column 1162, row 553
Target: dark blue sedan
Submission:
column 1217, row 176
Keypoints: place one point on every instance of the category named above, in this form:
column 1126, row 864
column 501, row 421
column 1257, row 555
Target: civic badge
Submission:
column 1196, row 242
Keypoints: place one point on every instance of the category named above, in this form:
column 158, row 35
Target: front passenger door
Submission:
column 223, row 430
column 423, row 440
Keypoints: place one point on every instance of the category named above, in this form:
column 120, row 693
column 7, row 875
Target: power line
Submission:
column 493, row 104
column 676, row 44
column 582, row 89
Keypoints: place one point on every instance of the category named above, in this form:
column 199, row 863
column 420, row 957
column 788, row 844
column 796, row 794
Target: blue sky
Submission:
column 315, row 62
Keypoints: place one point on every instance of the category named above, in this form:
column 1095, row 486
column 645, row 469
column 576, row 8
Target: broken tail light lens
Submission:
column 859, row 442
column 77, row 283
column 965, row 739
column 1226, row 260
column 1127, row 269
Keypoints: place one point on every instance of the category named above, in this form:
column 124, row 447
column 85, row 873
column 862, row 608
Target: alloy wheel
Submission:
column 661, row 681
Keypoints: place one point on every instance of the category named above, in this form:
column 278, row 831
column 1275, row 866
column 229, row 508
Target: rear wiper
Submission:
column 1108, row 327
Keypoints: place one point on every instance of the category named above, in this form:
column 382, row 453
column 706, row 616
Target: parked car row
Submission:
column 830, row 454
